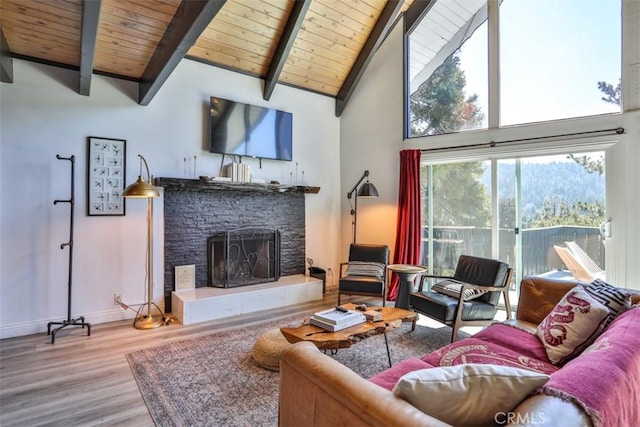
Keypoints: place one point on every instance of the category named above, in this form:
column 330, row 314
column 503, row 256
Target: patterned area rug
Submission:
column 213, row 381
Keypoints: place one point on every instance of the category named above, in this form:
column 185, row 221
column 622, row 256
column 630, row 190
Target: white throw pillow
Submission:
column 573, row 324
column 468, row 394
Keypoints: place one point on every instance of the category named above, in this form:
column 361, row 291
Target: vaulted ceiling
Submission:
column 322, row 46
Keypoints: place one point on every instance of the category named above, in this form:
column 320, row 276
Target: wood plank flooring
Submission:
column 86, row 381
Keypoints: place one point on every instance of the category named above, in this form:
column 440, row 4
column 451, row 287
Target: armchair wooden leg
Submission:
column 507, row 303
column 454, row 332
column 413, row 324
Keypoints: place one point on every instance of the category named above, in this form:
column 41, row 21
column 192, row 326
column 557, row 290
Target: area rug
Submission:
column 213, row 381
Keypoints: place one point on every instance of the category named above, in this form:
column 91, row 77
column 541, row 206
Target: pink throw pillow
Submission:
column 573, row 324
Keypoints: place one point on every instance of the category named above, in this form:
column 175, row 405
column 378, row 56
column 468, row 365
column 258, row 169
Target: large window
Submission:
column 557, row 59
column 448, row 69
column 541, row 202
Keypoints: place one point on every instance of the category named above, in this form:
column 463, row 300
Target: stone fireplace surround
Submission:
column 195, row 210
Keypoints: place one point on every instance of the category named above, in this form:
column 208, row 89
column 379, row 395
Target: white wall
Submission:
column 371, row 138
column 42, row 115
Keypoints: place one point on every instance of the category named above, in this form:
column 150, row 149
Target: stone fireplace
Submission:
column 195, row 210
column 242, row 257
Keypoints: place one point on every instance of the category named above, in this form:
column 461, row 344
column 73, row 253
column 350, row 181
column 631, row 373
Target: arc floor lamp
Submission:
column 142, row 189
column 366, row 190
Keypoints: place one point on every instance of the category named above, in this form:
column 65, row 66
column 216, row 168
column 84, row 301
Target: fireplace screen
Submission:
column 242, row 257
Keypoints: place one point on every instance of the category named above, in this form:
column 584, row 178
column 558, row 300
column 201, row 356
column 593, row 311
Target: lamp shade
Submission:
column 368, row 190
column 141, row 189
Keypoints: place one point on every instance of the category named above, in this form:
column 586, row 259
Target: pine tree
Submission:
column 439, row 105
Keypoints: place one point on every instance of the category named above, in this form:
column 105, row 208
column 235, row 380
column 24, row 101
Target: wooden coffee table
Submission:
column 326, row 340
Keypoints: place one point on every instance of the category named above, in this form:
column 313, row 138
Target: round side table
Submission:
column 407, row 274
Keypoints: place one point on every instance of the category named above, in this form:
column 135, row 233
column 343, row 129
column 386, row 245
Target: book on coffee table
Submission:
column 335, row 328
column 335, row 320
column 337, row 316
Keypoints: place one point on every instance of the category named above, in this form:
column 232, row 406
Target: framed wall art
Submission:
column 106, row 176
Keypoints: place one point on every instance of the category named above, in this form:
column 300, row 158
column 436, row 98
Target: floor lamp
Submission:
column 366, row 190
column 142, row 189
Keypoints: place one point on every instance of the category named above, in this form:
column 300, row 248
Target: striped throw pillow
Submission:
column 362, row 268
column 452, row 289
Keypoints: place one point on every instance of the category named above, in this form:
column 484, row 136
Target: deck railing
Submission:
column 538, row 255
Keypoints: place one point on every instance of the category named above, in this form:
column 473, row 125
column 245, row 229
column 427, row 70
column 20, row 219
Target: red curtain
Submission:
column 409, row 226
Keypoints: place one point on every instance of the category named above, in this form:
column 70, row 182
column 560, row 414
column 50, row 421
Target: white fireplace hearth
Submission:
column 209, row 303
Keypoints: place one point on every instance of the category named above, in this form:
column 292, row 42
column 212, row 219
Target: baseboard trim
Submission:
column 40, row 326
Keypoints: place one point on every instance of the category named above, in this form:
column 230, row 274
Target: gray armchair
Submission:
column 468, row 298
column 365, row 272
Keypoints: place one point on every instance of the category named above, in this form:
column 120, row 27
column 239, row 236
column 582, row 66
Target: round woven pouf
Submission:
column 267, row 349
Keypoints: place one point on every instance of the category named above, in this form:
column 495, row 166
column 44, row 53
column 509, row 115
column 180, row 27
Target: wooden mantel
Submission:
column 213, row 185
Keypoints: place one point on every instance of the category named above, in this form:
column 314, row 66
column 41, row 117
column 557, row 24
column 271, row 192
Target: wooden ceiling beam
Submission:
column 6, row 61
column 189, row 21
column 90, row 20
column 414, row 14
column 284, row 46
column 378, row 33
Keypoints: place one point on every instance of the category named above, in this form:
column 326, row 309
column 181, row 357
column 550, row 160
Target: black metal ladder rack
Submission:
column 69, row 321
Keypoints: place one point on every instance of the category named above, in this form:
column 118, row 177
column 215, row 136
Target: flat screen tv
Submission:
column 247, row 130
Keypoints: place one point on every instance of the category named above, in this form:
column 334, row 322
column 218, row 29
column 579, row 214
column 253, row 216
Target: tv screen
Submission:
column 247, row 130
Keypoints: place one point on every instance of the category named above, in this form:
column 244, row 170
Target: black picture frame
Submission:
column 106, row 176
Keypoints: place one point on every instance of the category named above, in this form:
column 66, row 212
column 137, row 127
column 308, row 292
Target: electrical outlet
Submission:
column 117, row 298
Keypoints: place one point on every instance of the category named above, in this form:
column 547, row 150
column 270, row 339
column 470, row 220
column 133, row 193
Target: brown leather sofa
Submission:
column 315, row 390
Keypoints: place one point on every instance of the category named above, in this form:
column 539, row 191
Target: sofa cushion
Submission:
column 615, row 299
column 538, row 296
column 369, row 284
column 444, row 392
column 573, row 324
column 441, row 306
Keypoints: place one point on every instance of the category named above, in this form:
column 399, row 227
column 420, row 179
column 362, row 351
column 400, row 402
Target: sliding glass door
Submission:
column 456, row 214
column 517, row 210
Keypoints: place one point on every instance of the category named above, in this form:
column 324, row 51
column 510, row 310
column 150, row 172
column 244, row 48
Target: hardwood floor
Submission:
column 86, row 381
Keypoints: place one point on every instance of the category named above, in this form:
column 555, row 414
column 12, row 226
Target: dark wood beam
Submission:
column 90, row 19
column 378, row 33
column 6, row 61
column 414, row 14
column 189, row 21
column 284, row 46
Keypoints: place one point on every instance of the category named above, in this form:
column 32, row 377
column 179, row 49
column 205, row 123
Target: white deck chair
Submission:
column 593, row 268
column 583, row 269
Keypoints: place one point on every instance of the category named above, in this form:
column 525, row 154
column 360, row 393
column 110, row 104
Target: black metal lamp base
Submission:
column 71, row 322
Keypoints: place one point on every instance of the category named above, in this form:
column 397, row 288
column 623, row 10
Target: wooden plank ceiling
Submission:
column 322, row 46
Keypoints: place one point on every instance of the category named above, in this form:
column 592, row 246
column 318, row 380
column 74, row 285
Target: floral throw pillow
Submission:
column 573, row 324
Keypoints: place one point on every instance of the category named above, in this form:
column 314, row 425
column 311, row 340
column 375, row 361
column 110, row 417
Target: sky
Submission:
column 553, row 53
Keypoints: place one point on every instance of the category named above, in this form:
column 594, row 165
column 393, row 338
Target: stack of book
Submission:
column 238, row 172
column 336, row 319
